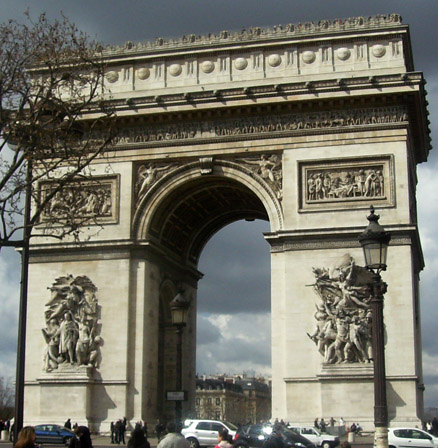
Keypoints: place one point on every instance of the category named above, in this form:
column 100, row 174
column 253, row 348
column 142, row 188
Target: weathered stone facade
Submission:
column 234, row 399
column 304, row 126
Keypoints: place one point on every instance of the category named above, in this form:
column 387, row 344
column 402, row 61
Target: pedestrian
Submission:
column 159, row 429
column 67, row 424
column 123, row 430
column 274, row 440
column 322, row 425
column 332, row 423
column 117, row 431
column 222, row 439
column 315, row 423
column 85, row 437
column 12, row 433
column 75, row 441
column 138, row 439
column 112, row 429
column 435, row 426
column 145, row 429
column 26, row 438
column 173, row 438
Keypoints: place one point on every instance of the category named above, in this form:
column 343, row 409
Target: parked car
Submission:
column 254, row 436
column 204, row 432
column 318, row 438
column 52, row 434
column 411, row 437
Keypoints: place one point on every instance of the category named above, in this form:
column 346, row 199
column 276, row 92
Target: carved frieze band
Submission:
column 262, row 125
column 96, row 199
column 341, row 183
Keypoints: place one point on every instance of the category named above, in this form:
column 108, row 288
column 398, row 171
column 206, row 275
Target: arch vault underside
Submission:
column 304, row 127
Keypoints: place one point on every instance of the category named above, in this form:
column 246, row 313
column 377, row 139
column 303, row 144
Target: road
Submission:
column 105, row 442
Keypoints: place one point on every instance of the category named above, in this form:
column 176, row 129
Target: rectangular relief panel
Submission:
column 346, row 183
column 95, row 199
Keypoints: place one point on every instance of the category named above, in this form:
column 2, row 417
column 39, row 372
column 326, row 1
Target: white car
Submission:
column 411, row 438
column 316, row 437
column 204, row 432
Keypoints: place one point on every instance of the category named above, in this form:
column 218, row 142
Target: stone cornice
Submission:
column 225, row 96
column 336, row 238
column 107, row 250
column 350, row 25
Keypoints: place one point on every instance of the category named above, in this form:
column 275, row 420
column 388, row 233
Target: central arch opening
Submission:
column 233, row 325
column 233, row 341
column 214, row 225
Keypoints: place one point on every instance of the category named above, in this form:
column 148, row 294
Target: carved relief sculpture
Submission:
column 72, row 333
column 269, row 169
column 88, row 199
column 345, row 183
column 343, row 315
column 147, row 175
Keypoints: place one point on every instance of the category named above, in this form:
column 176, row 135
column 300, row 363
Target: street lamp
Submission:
column 22, row 313
column 179, row 311
column 374, row 241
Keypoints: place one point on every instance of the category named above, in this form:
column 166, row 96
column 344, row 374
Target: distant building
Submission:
column 235, row 399
column 258, row 399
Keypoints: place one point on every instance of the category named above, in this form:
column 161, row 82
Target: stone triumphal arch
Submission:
column 304, row 126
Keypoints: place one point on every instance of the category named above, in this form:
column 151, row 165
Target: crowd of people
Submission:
column 431, row 426
column 7, row 425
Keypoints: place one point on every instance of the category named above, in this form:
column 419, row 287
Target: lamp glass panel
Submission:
column 178, row 316
column 375, row 255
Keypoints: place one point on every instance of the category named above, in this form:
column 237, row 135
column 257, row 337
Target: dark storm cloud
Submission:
column 236, row 267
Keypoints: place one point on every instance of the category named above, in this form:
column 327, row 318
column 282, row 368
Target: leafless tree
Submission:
column 53, row 123
column 6, row 399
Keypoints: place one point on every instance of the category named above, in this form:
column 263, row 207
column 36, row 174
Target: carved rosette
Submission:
column 269, row 168
column 72, row 330
column 343, row 315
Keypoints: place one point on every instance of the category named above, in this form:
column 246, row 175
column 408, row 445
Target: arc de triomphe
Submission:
column 303, row 125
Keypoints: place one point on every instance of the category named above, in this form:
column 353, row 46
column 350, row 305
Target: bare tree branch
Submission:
column 51, row 75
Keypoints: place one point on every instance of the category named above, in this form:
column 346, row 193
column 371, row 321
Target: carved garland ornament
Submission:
column 72, row 330
column 343, row 315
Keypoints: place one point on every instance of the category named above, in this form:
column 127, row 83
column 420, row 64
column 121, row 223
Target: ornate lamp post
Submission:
column 374, row 241
column 179, row 310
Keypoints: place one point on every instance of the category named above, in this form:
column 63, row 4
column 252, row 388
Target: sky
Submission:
column 235, row 299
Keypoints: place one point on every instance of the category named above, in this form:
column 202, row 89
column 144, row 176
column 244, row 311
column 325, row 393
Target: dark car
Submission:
column 53, row 434
column 255, row 436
